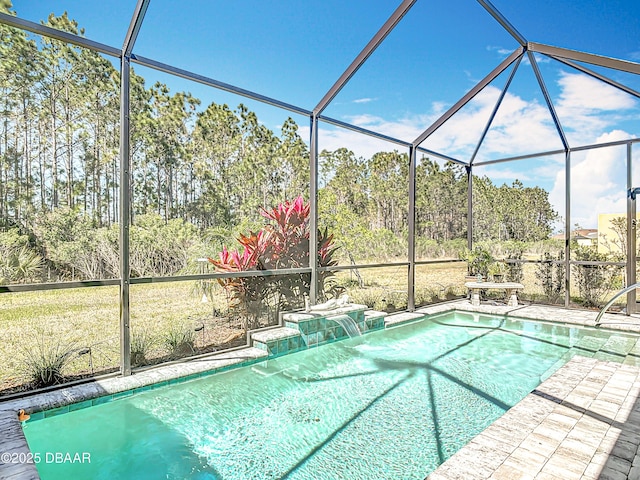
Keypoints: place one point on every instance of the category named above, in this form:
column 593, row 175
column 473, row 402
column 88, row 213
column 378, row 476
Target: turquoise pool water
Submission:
column 391, row 404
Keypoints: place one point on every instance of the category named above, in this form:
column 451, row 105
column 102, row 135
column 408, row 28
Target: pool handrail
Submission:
column 610, row 302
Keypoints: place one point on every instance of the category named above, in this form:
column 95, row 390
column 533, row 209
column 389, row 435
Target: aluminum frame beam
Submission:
column 363, row 266
column 140, row 60
column 469, row 95
column 58, row 34
column 469, row 171
column 411, row 304
column 567, row 229
column 371, row 133
column 547, row 98
column 125, row 206
column 495, row 13
column 600, row 60
column 377, row 39
column 631, row 235
column 380, row 136
column 492, row 117
column 558, row 152
column 313, row 208
column 441, row 156
column 596, row 75
column 179, row 72
column 134, row 26
column 604, row 145
column 125, row 184
column 521, row 157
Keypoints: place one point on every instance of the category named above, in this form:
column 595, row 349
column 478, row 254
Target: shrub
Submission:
column 550, row 275
column 142, row 342
column 368, row 297
column 594, row 281
column 180, row 340
column 394, row 301
column 19, row 263
column 514, row 251
column 478, row 260
column 43, row 363
column 284, row 243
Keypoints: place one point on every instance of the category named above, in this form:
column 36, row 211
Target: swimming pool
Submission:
column 390, row 404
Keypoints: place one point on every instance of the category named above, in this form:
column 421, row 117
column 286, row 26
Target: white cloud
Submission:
column 598, row 179
column 504, row 52
column 363, row 100
column 582, row 92
column 587, row 107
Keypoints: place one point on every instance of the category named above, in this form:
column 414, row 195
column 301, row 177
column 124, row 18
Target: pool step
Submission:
column 619, row 344
column 635, row 351
column 588, row 345
column 615, row 348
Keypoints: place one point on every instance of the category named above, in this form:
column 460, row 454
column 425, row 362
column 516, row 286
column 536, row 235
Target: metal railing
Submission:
column 610, row 302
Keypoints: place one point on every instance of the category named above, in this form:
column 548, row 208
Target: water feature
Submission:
column 348, row 324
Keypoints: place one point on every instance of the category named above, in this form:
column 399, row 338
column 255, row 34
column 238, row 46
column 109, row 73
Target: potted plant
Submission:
column 478, row 260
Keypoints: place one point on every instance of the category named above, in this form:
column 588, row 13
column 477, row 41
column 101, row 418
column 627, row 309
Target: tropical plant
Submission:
column 478, row 260
column 497, row 270
column 284, row 243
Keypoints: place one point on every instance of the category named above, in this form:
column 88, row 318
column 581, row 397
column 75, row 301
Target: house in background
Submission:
column 585, row 237
column 612, row 232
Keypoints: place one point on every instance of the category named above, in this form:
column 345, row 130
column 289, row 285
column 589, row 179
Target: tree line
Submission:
column 202, row 171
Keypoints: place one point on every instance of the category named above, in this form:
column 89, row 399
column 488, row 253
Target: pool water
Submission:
column 391, row 404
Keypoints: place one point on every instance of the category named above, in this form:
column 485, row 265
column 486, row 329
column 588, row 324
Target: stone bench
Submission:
column 511, row 289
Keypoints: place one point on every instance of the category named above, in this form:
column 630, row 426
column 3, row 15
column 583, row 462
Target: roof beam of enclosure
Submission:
column 469, row 96
column 495, row 109
column 608, row 62
column 597, row 76
column 163, row 67
column 134, row 26
column 58, row 34
column 364, row 131
column 520, row 157
column 607, row 144
column 493, row 11
column 547, row 98
column 115, row 52
column 389, row 25
column 386, row 138
column 558, row 152
column 440, row 155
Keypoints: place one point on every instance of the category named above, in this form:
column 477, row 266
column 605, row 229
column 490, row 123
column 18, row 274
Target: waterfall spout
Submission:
column 348, row 324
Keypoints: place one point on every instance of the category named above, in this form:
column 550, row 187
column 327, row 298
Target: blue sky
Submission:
column 294, row 50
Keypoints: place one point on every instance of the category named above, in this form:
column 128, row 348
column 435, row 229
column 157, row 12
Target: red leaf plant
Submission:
column 283, row 243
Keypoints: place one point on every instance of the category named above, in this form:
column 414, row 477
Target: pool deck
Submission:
column 583, row 422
